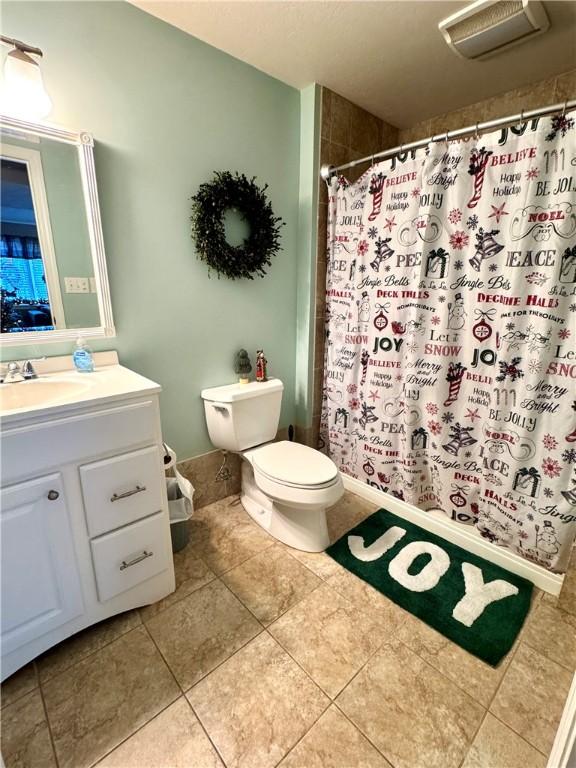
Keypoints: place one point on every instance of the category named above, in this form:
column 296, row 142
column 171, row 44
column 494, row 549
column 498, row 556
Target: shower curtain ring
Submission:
column 521, row 118
column 564, row 108
column 446, row 137
column 476, row 134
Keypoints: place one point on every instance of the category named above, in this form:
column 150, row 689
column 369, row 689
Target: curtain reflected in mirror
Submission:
column 25, row 301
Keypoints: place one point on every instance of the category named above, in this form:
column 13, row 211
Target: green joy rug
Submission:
column 473, row 602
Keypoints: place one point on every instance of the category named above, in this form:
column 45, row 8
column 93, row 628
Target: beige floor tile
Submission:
column 328, row 637
column 347, row 513
column 270, row 583
column 496, row 746
column 414, row 715
column 319, row 562
column 201, row 631
column 81, row 645
column 25, row 735
column 257, row 705
column 18, row 684
column 531, row 697
column 382, row 612
column 333, row 742
column 224, row 535
column 471, row 674
column 567, row 597
column 104, row 698
column 191, row 573
column 173, row 739
column 552, row 632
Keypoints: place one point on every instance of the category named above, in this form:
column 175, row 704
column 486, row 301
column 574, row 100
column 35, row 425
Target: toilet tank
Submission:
column 241, row 416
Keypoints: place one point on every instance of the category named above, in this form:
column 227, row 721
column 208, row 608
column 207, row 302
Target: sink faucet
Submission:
column 20, row 371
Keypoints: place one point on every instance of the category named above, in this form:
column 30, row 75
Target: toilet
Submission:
column 286, row 487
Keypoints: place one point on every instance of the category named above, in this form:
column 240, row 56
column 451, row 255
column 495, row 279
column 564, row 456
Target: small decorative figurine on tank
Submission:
column 242, row 366
column 261, row 363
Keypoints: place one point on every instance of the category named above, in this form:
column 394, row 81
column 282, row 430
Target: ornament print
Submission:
column 451, row 319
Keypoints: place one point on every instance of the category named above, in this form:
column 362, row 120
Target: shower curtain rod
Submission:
column 327, row 171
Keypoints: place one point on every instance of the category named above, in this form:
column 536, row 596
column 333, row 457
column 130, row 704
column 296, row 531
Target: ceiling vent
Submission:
column 487, row 27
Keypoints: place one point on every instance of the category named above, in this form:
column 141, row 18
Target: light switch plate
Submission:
column 77, row 285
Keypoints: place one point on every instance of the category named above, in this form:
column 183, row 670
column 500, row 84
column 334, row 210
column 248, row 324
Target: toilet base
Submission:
column 301, row 528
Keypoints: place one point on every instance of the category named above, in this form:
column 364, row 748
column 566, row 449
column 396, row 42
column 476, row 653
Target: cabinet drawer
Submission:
column 124, row 558
column 121, row 489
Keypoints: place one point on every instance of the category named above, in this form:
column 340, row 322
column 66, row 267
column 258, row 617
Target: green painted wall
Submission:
column 166, row 111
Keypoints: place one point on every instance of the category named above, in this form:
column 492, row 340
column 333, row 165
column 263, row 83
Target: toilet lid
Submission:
column 294, row 464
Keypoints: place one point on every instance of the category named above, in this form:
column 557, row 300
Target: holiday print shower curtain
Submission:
column 451, row 316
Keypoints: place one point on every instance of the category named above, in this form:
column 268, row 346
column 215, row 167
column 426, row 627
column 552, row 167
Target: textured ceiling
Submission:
column 388, row 57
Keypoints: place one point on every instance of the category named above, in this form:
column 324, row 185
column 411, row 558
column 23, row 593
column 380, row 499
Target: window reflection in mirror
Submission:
column 25, row 303
column 46, row 266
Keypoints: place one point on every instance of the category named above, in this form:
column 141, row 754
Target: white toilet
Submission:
column 286, row 487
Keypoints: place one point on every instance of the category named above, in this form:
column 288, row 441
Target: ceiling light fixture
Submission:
column 23, row 93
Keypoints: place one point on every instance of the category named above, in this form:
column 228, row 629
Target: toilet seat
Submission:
column 295, row 465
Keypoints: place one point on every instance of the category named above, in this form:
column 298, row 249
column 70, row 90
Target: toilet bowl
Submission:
column 286, row 486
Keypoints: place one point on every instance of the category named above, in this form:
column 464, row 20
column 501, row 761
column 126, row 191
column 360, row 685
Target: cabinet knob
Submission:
column 53, row 495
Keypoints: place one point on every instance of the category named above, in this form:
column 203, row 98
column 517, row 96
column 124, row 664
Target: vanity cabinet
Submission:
column 84, row 519
column 41, row 587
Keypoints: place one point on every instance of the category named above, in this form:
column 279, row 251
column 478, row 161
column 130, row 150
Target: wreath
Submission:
column 212, row 200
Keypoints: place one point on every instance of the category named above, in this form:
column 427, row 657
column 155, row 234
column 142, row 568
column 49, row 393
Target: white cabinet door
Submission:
column 40, row 582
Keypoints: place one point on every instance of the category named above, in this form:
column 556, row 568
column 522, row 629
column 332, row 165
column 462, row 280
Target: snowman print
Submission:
column 456, row 314
column 546, row 540
column 364, row 308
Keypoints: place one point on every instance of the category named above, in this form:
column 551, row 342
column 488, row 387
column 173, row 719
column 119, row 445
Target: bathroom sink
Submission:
column 38, row 392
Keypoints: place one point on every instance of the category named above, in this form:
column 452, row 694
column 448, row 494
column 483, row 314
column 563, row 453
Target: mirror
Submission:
column 53, row 277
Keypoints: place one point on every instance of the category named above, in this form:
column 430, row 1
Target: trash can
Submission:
column 180, row 504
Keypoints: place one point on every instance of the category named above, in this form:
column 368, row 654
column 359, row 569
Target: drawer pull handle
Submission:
column 53, row 495
column 138, row 559
column 118, row 496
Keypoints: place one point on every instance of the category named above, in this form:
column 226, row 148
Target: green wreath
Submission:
column 208, row 207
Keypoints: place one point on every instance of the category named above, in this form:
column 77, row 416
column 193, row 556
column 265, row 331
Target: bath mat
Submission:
column 476, row 604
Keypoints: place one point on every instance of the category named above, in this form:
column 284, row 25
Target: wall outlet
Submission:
column 77, row 284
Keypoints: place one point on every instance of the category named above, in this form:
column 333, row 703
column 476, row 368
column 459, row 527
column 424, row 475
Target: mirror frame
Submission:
column 84, row 143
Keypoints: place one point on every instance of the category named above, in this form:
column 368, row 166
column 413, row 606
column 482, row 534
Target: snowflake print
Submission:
column 472, row 222
column 362, row 247
column 447, row 418
column 532, row 173
column 458, row 264
column 372, row 233
column 534, row 366
column 351, row 389
column 529, row 516
column 362, row 268
column 441, row 299
column 549, row 442
column 434, row 427
column 548, row 492
column 455, row 216
column 551, row 467
column 573, row 307
column 569, row 456
column 523, row 535
column 493, row 267
column 560, row 124
column 387, row 268
column 416, row 192
column 411, row 346
column 564, row 333
column 432, row 408
column 459, row 240
column 510, row 326
column 435, row 320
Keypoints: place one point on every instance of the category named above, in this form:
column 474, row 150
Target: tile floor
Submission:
column 265, row 656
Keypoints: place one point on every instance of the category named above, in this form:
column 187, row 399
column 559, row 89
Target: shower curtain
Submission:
column 450, row 363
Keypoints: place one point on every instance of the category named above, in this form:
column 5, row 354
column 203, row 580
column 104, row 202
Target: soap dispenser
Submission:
column 82, row 357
